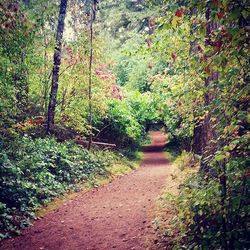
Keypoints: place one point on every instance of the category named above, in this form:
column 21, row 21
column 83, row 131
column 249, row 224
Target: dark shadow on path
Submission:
column 154, row 148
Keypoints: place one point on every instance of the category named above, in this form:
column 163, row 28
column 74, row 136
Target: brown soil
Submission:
column 115, row 216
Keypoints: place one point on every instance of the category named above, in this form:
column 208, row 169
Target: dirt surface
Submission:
column 115, row 216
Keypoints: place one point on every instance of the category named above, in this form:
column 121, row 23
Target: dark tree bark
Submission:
column 92, row 19
column 198, row 139
column 90, row 82
column 198, row 142
column 56, row 67
column 209, row 131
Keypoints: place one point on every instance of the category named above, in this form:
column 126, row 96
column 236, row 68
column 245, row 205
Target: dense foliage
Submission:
column 33, row 172
column 206, row 47
column 181, row 64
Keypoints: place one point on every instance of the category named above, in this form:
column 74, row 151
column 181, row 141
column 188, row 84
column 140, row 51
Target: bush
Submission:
column 128, row 118
column 32, row 172
column 212, row 217
column 124, row 127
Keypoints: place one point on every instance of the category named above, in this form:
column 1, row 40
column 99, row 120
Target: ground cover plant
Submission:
column 33, row 172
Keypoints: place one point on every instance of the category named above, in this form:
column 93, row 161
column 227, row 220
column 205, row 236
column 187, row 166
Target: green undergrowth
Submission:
column 122, row 166
column 195, row 213
column 211, row 217
column 33, row 172
column 165, row 214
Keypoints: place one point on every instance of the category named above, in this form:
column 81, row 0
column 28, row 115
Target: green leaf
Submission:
column 219, row 157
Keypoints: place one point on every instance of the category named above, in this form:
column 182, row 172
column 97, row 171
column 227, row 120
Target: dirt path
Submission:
column 115, row 216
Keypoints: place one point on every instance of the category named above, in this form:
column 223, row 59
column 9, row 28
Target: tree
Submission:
column 56, row 67
column 14, row 42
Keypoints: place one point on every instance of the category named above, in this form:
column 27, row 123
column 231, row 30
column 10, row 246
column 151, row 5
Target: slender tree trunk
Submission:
column 45, row 79
column 92, row 19
column 198, row 139
column 63, row 103
column 56, row 67
column 223, row 187
column 209, row 131
column 90, row 82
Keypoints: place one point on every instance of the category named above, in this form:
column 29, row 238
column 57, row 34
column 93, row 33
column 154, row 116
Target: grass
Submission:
column 164, row 213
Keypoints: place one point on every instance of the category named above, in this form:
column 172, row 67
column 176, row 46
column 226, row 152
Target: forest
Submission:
column 82, row 82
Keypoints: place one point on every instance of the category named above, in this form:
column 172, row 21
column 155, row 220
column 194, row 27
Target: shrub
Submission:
column 32, row 172
column 212, row 217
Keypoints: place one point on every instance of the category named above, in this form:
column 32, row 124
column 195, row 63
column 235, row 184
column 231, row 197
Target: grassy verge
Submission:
column 195, row 211
column 164, row 215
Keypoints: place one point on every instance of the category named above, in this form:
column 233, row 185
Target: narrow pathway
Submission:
column 115, row 216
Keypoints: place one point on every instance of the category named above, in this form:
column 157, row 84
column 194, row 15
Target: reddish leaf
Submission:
column 179, row 13
column 220, row 15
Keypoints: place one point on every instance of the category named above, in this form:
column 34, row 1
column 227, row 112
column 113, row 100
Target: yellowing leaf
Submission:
column 175, row 21
column 245, row 14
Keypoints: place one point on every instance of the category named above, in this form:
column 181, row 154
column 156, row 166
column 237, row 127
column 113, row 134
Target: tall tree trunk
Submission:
column 90, row 82
column 56, row 67
column 92, row 19
column 198, row 139
column 209, row 132
column 46, row 76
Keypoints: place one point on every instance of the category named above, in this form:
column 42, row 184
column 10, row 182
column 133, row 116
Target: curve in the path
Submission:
column 115, row 216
